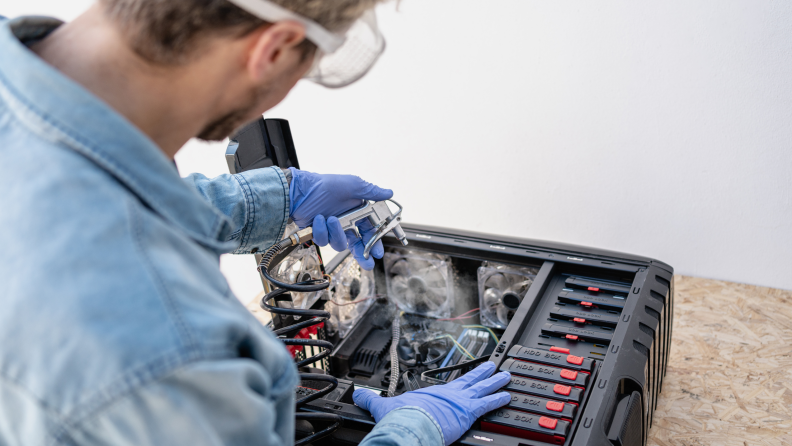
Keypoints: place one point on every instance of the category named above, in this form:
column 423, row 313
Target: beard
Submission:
column 227, row 124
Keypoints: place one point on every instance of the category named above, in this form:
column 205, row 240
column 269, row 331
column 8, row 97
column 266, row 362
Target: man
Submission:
column 116, row 325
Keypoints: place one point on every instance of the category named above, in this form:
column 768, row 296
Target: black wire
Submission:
column 317, row 377
column 309, row 416
column 459, row 366
column 302, row 287
column 435, row 360
column 415, row 363
column 315, row 317
column 326, row 345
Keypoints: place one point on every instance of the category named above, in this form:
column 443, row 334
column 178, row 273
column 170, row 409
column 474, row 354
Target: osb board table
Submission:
column 729, row 379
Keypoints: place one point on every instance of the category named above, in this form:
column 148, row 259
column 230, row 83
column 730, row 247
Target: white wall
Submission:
column 658, row 128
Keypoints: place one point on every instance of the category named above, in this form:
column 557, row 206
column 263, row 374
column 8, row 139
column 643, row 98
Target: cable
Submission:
column 311, row 416
column 394, row 356
column 311, row 318
column 462, row 365
column 458, row 345
column 465, row 315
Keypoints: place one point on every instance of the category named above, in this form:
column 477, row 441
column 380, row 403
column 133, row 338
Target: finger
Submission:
column 368, row 191
column 357, row 248
column 367, row 230
column 319, row 230
column 363, row 398
column 490, row 385
column 338, row 239
column 364, row 225
column 490, row 403
column 481, row 372
column 378, row 251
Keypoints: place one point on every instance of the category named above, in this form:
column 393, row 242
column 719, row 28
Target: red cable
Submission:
column 462, row 316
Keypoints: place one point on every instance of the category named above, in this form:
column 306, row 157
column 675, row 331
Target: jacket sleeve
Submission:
column 230, row 402
column 404, row 426
column 256, row 201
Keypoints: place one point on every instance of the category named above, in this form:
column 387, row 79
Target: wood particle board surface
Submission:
column 729, row 378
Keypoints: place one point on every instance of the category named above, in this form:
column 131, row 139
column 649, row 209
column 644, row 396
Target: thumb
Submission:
column 367, row 191
column 364, row 398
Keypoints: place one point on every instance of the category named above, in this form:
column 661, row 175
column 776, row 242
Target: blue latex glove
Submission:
column 455, row 406
column 314, row 196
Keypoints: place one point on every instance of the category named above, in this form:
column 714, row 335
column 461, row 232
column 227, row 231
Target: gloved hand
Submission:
column 455, row 406
column 315, row 196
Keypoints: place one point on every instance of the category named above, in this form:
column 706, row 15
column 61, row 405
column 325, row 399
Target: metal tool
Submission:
column 380, row 216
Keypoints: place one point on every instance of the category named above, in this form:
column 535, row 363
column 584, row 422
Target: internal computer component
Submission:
column 501, row 290
column 423, row 346
column 352, row 291
column 300, row 265
column 420, row 282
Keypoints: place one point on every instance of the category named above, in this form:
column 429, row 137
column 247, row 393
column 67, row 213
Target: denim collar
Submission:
column 60, row 110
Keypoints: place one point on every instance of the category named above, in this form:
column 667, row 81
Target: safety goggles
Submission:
column 340, row 59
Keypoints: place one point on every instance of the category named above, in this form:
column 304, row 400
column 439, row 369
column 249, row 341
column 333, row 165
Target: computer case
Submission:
column 587, row 344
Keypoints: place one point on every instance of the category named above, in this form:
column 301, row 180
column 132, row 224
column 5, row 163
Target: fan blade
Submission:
column 423, row 269
column 438, row 293
column 521, row 287
column 426, row 302
column 503, row 314
column 310, row 262
column 400, row 268
column 399, row 286
column 492, row 298
column 498, row 281
column 433, row 277
column 436, row 296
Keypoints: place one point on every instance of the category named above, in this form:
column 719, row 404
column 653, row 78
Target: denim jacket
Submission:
column 116, row 325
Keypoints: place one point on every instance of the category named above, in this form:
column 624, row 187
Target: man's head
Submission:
column 273, row 56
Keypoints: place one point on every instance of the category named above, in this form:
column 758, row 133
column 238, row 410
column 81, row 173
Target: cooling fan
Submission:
column 300, row 265
column 351, row 291
column 420, row 283
column 501, row 290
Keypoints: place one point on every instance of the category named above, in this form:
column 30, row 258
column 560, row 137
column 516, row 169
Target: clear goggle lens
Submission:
column 340, row 59
column 362, row 47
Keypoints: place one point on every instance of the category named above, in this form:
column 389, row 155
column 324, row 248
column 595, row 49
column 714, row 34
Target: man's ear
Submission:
column 273, row 46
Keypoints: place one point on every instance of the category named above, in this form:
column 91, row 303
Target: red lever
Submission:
column 555, row 406
column 562, row 389
column 569, row 374
column 549, row 423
